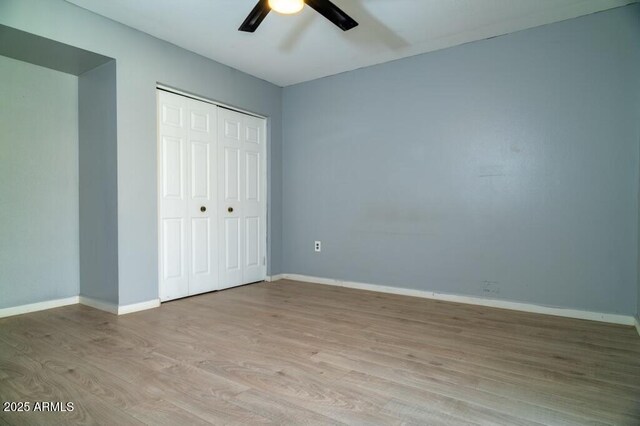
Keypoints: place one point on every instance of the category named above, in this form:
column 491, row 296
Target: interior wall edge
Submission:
column 98, row 304
column 275, row 277
column 118, row 309
column 98, row 186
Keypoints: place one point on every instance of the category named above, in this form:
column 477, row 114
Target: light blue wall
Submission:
column 98, row 183
column 38, row 184
column 142, row 61
column 505, row 168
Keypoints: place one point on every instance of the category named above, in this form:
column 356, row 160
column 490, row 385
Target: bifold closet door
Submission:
column 187, row 133
column 242, row 212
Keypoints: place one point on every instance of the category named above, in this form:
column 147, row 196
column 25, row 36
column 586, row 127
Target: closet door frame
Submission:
column 263, row 177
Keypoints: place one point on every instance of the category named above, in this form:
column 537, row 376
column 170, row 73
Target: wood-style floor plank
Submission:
column 296, row 353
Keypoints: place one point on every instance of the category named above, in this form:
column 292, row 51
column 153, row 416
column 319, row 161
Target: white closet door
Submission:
column 172, row 139
column 188, row 195
column 242, row 214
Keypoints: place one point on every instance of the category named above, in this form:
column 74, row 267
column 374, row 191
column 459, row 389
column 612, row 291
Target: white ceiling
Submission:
column 286, row 50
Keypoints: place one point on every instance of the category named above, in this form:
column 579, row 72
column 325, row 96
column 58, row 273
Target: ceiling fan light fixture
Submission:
column 325, row 8
column 286, row 7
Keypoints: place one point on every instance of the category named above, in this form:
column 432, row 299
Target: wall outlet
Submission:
column 317, row 246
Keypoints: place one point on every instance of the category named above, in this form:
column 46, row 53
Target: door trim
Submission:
column 190, row 95
column 265, row 208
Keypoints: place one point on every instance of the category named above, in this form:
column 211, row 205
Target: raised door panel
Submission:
column 202, row 277
column 231, row 174
column 174, row 259
column 173, row 168
column 252, row 237
column 232, row 124
column 232, row 244
column 252, row 178
column 201, row 117
column 173, row 111
column 200, row 171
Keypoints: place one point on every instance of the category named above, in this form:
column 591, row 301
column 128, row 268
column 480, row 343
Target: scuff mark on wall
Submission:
column 492, row 287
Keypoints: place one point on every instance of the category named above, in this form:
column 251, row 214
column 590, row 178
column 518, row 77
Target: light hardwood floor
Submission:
column 296, row 353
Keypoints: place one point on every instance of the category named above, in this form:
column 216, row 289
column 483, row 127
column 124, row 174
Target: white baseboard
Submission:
column 271, row 278
column 472, row 300
column 119, row 310
column 135, row 307
column 39, row 306
column 112, row 308
column 83, row 300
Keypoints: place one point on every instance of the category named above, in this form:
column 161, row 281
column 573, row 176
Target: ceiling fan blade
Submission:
column 259, row 12
column 333, row 13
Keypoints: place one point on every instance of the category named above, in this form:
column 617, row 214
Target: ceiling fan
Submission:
column 324, row 7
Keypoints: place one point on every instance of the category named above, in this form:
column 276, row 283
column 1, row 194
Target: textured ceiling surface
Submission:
column 286, row 50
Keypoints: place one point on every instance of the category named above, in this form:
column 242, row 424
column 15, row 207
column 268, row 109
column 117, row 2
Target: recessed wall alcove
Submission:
column 59, row 177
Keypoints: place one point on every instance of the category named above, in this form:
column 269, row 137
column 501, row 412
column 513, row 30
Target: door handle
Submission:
column 203, row 209
column 230, row 209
